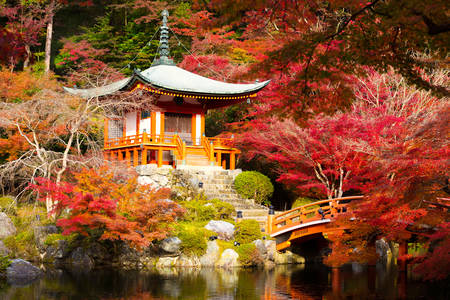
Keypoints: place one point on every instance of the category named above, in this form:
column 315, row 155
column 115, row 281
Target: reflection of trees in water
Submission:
column 283, row 282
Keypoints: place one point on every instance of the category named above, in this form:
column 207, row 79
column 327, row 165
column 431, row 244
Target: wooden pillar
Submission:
column 144, row 156
column 203, row 124
column 162, row 126
column 112, row 155
column 128, row 157
column 232, row 161
column 160, row 157
column 270, row 218
column 105, row 132
column 219, row 157
column 135, row 157
column 224, row 164
column 105, row 154
column 153, row 124
column 194, row 129
column 138, row 122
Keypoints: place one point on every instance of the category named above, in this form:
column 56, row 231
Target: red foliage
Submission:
column 111, row 207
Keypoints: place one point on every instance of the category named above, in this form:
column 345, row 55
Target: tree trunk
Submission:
column 26, row 63
column 48, row 39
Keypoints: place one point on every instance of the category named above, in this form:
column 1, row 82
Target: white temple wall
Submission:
column 145, row 124
column 158, row 122
column 198, row 129
column 130, row 123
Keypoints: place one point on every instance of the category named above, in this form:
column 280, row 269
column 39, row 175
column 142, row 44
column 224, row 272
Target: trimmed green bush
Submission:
column 202, row 209
column 247, row 231
column 7, row 204
column 193, row 242
column 249, row 255
column 254, row 185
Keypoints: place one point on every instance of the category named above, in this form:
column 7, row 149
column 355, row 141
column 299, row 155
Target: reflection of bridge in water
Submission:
column 309, row 221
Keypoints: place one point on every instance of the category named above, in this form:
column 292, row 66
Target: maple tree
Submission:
column 110, row 205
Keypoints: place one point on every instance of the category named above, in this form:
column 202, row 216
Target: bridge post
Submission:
column 270, row 218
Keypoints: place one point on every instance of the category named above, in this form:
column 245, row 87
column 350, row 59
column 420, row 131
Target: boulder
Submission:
column 57, row 251
column 261, row 247
column 41, row 233
column 146, row 180
column 166, row 262
column 81, row 260
column 188, row 261
column 224, row 230
column 383, row 250
column 288, row 258
column 228, row 259
column 3, row 250
column 211, row 256
column 7, row 227
column 171, row 244
column 21, row 272
column 271, row 248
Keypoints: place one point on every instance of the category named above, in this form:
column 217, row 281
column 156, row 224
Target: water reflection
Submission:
column 285, row 282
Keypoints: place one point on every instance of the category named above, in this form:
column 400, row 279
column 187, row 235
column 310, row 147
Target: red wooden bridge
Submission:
column 305, row 221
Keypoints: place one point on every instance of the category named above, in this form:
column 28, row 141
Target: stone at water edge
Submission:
column 171, row 244
column 228, row 259
column 188, row 261
column 41, row 233
column 21, row 272
column 166, row 262
column 261, row 247
column 271, row 248
column 224, row 230
column 7, row 227
column 288, row 258
column 211, row 256
column 80, row 259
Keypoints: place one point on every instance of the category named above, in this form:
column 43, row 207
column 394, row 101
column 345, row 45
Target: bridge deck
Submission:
column 313, row 218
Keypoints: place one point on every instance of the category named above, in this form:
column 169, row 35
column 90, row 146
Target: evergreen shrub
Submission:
column 193, row 241
column 248, row 255
column 254, row 185
column 202, row 209
column 247, row 231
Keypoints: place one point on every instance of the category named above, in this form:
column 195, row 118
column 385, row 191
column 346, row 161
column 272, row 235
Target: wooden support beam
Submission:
column 105, row 132
column 144, row 156
column 160, row 158
column 138, row 121
column 219, row 157
column 128, row 157
column 232, row 161
column 135, row 157
column 153, row 124
column 193, row 129
column 224, row 164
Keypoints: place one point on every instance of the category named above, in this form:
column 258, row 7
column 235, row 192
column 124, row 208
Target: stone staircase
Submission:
column 197, row 160
column 218, row 184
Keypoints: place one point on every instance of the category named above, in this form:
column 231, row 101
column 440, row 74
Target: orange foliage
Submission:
column 21, row 86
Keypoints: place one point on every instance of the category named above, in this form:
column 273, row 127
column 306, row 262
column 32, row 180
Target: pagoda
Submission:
column 173, row 132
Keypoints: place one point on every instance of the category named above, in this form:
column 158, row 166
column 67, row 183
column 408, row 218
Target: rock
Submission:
column 211, row 256
column 57, row 251
column 271, row 248
column 188, row 261
column 21, row 272
column 288, row 258
column 3, row 250
column 224, row 230
column 357, row 268
column 80, row 259
column 41, row 233
column 383, row 250
column 166, row 262
column 171, row 245
column 146, row 180
column 228, row 259
column 261, row 247
column 160, row 180
column 7, row 227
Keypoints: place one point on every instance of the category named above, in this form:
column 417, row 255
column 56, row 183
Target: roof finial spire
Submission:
column 164, row 42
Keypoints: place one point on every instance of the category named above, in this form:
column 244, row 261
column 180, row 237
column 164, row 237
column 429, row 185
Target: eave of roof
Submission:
column 174, row 79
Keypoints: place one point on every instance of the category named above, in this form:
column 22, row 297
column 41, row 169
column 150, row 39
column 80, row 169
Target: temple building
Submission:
column 173, row 133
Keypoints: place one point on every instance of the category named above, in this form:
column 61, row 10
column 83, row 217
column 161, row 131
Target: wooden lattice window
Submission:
column 179, row 123
column 115, row 128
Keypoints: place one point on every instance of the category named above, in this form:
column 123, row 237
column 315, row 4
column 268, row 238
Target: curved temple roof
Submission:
column 172, row 78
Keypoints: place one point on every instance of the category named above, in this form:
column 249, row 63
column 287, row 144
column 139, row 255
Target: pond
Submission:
column 283, row 282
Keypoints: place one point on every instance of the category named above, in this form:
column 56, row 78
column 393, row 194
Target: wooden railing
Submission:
column 222, row 142
column 209, row 147
column 181, row 147
column 315, row 211
column 138, row 139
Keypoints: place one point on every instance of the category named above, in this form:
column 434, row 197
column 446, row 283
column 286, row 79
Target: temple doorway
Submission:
column 179, row 123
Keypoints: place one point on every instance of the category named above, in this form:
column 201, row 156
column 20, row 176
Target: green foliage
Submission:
column 7, row 204
column 249, row 255
column 22, row 244
column 193, row 238
column 202, row 209
column 303, row 201
column 53, row 238
column 4, row 264
column 247, row 231
column 254, row 185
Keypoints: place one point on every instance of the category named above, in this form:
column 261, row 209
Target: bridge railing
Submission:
column 324, row 209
